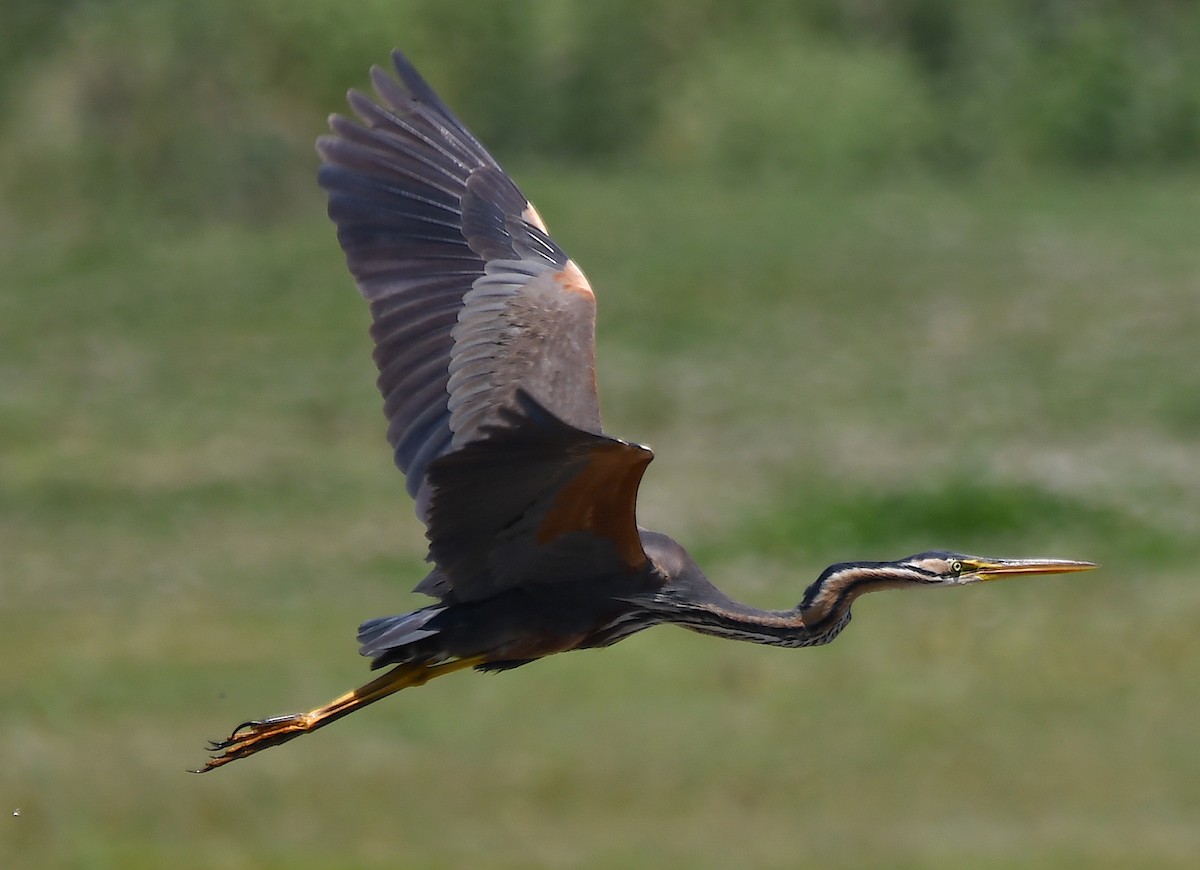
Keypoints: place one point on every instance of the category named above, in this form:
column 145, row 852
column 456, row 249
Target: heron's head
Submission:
column 826, row 604
column 940, row 568
column 933, row 568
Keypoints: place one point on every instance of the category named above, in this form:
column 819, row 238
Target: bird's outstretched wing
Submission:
column 470, row 297
column 535, row 500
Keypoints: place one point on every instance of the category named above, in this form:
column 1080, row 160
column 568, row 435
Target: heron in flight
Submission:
column 484, row 336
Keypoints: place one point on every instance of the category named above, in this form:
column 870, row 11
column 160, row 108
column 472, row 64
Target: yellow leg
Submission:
column 251, row 737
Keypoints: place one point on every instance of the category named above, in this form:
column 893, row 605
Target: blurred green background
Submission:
column 874, row 278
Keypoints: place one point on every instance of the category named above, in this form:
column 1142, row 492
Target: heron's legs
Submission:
column 251, row 737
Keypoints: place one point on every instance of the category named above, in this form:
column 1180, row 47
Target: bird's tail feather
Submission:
column 383, row 638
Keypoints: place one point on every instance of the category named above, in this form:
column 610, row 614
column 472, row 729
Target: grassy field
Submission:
column 197, row 508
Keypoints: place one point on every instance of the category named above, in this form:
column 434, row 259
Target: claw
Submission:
column 257, row 734
column 263, row 723
column 250, row 737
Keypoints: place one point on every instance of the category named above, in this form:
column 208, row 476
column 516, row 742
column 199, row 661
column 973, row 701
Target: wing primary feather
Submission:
column 470, row 298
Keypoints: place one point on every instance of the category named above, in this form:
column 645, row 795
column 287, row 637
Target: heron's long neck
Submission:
column 818, row 619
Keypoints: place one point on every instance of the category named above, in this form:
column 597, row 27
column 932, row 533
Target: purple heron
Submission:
column 484, row 336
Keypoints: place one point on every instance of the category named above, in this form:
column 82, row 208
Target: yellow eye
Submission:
column 956, row 566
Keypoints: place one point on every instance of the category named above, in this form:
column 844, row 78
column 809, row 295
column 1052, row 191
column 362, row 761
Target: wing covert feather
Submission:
column 534, row 500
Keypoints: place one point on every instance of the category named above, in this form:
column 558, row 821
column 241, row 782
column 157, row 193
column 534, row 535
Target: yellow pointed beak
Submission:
column 998, row 569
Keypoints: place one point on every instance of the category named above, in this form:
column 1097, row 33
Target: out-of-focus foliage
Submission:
column 207, row 107
column 197, row 507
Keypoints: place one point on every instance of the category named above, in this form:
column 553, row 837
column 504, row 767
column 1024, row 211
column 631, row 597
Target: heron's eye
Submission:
column 956, row 567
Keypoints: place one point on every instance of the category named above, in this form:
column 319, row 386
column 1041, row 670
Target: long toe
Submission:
column 251, row 737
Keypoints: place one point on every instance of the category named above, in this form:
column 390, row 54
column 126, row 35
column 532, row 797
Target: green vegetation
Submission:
column 189, row 109
column 940, row 344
